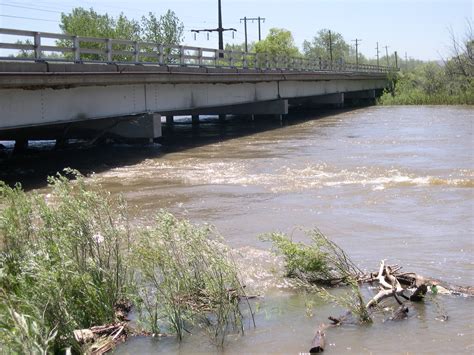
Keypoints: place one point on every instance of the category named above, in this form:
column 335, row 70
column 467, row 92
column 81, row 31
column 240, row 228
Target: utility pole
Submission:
column 377, row 48
column 259, row 30
column 219, row 25
column 396, row 60
column 245, row 30
column 357, row 40
column 330, row 46
column 386, row 54
column 219, row 29
column 245, row 19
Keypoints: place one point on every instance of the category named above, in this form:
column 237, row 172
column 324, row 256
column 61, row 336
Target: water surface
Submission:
column 390, row 183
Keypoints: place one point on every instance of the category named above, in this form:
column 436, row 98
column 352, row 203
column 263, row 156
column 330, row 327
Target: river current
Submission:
column 393, row 183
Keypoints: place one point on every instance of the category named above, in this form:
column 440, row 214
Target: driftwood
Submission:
column 345, row 318
column 102, row 338
column 401, row 313
column 389, row 285
column 404, row 287
column 319, row 341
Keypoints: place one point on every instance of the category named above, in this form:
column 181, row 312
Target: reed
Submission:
column 190, row 280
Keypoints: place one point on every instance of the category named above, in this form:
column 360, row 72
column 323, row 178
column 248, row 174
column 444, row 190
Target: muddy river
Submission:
column 392, row 183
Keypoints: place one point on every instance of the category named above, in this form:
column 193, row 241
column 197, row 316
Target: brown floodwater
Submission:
column 392, row 183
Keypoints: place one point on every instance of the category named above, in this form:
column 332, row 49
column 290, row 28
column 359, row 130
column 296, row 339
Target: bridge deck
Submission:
column 45, row 74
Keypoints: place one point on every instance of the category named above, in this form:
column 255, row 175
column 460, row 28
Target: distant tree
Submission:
column 279, row 42
column 461, row 62
column 167, row 29
column 319, row 46
column 240, row 47
column 88, row 23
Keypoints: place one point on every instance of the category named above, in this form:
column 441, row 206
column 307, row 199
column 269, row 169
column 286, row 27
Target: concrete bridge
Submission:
column 91, row 87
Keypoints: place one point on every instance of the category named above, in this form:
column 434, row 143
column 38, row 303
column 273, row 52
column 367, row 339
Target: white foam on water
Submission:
column 197, row 171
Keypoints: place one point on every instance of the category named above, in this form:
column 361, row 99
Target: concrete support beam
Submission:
column 362, row 97
column 195, row 119
column 169, row 120
column 363, row 94
column 336, row 99
column 222, row 117
column 146, row 126
column 273, row 107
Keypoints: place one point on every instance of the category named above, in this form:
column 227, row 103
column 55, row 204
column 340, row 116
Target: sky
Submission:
column 419, row 28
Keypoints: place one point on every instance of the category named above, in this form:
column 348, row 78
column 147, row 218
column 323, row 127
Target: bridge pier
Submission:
column 21, row 145
column 169, row 120
column 195, row 119
column 222, row 117
column 147, row 126
column 61, row 143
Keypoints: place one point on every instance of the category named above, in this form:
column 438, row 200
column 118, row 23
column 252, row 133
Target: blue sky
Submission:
column 418, row 27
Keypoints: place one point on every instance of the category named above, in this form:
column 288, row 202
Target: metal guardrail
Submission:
column 79, row 49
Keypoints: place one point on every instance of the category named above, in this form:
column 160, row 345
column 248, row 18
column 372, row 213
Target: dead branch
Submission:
column 389, row 285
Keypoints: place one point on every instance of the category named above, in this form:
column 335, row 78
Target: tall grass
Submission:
column 190, row 279
column 61, row 264
column 67, row 258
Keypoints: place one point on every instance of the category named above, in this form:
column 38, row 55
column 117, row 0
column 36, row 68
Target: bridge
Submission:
column 57, row 86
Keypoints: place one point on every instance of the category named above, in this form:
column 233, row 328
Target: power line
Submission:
column 29, row 18
column 31, row 8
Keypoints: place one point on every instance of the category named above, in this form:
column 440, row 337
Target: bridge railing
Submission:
column 43, row 46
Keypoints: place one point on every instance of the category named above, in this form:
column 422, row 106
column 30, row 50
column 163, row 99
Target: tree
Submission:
column 88, row 23
column 167, row 30
column 319, row 46
column 279, row 42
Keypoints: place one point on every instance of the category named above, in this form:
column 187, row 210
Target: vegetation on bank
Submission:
column 430, row 84
column 450, row 83
column 67, row 260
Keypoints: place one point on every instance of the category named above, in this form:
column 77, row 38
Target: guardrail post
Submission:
column 200, row 57
column 231, row 59
column 181, row 55
column 76, row 49
column 37, row 45
column 136, row 51
column 160, row 54
column 108, row 49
